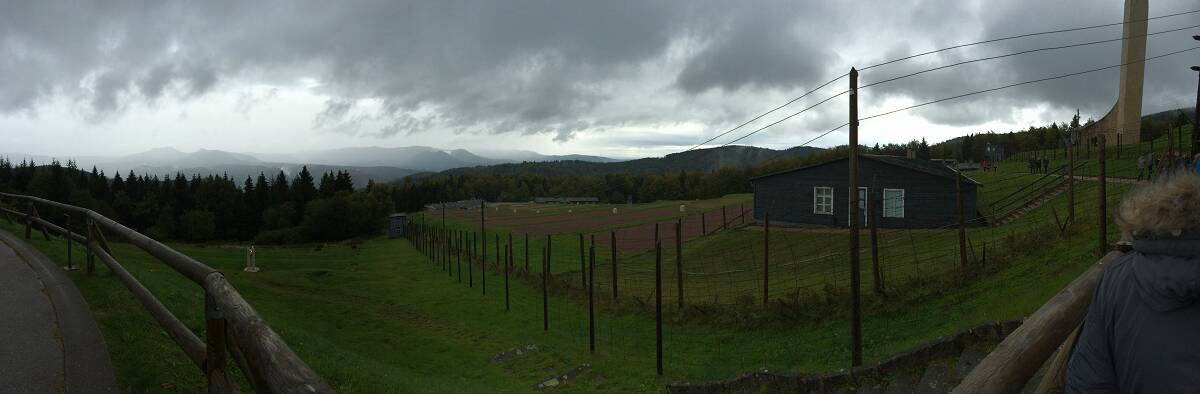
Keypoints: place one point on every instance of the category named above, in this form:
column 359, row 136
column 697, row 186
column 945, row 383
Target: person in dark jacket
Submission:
column 1142, row 329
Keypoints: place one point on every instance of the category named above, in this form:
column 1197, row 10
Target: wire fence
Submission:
column 636, row 269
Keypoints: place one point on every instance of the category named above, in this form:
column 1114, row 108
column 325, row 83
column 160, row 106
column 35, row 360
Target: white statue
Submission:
column 250, row 265
column 614, row 211
column 682, row 208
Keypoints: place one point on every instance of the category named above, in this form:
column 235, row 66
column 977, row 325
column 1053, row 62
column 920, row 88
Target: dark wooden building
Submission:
column 908, row 193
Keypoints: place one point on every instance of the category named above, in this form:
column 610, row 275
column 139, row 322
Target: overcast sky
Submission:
column 615, row 78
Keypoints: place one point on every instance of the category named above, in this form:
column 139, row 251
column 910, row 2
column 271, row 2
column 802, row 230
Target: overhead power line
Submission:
column 1024, row 36
column 1026, row 83
column 809, row 92
column 768, row 113
column 1022, row 53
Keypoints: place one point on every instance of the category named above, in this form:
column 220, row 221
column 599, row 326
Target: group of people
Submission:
column 1038, row 166
column 1152, row 165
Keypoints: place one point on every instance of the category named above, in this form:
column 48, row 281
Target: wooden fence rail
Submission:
column 266, row 360
column 1015, row 360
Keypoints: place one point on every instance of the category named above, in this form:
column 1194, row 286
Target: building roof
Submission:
column 926, row 166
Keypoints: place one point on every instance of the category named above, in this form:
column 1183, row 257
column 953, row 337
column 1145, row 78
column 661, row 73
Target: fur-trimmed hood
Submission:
column 1167, row 207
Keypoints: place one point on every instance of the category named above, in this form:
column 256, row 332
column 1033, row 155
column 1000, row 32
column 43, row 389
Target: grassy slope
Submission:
column 380, row 318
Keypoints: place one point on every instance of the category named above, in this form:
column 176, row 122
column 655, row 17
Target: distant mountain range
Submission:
column 703, row 160
column 363, row 163
column 391, row 164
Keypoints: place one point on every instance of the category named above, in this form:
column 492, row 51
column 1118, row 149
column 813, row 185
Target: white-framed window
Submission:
column 823, row 200
column 893, row 203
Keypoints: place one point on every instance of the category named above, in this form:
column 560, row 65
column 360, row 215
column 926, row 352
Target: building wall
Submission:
column 929, row 200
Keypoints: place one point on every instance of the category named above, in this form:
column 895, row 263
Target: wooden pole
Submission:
column 679, row 262
column 658, row 342
column 582, row 264
column 742, row 208
column 28, row 219
column 766, row 283
column 458, row 239
column 507, row 263
column 855, row 312
column 215, row 368
column 91, row 257
column 703, row 225
column 483, row 249
column 526, row 253
column 873, row 220
column 470, row 267
column 724, row 220
column 67, row 229
column 1071, row 182
column 1103, row 202
column 545, row 294
column 591, row 291
column 613, row 260
column 962, row 225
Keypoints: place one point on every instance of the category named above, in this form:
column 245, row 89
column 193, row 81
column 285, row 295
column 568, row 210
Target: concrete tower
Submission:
column 1123, row 124
column 1133, row 72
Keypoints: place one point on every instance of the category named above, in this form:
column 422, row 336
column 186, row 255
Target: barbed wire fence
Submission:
column 691, row 267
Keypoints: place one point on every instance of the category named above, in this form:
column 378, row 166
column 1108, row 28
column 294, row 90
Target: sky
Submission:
column 613, row 78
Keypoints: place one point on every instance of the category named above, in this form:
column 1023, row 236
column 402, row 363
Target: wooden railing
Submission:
column 1009, row 367
column 230, row 322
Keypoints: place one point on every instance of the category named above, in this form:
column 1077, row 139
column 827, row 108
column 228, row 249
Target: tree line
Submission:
column 283, row 209
column 211, row 207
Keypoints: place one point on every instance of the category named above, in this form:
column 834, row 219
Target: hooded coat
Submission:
column 1142, row 330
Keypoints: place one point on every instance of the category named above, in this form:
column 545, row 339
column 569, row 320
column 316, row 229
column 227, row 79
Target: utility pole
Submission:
column 855, row 317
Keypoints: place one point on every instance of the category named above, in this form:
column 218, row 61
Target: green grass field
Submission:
column 380, row 317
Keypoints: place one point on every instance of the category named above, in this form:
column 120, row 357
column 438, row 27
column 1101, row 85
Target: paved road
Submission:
column 49, row 342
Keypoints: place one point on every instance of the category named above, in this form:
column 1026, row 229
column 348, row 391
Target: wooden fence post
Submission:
column 679, row 262
column 724, row 220
column 766, row 256
column 215, row 368
column 28, row 219
column 873, row 202
column 582, row 264
column 483, row 248
column 1071, row 182
column 658, row 306
column 458, row 238
column 742, row 208
column 855, row 298
column 1103, row 195
column 545, row 294
column 613, row 260
column 507, row 264
column 703, row 225
column 470, row 264
column 591, row 290
column 962, row 225
column 67, row 228
column 526, row 253
column 91, row 237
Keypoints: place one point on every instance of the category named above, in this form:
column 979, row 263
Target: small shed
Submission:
column 396, row 224
column 907, row 193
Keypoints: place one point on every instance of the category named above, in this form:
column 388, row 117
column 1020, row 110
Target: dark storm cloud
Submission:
column 553, row 66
